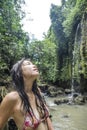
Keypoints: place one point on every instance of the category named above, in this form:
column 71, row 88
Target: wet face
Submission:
column 29, row 70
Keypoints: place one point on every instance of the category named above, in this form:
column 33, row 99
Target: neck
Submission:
column 28, row 86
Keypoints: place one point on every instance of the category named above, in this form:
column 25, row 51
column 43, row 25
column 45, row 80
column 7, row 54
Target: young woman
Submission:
column 25, row 105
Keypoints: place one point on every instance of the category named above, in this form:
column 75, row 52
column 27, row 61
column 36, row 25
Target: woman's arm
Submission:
column 6, row 109
column 49, row 124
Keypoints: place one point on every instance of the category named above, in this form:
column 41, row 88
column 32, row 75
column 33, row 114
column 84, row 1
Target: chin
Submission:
column 36, row 75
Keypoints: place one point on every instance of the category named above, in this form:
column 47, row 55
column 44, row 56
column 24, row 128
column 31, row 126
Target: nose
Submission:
column 35, row 67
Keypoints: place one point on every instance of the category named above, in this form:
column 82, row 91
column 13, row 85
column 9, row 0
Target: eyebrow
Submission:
column 27, row 61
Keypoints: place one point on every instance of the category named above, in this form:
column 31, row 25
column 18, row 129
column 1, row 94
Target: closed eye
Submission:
column 29, row 63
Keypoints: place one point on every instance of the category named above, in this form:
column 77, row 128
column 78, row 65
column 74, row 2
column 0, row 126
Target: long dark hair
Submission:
column 18, row 83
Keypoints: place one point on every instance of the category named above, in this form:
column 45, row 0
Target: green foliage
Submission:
column 65, row 71
column 65, row 20
column 54, row 54
column 43, row 54
column 73, row 15
column 57, row 19
column 12, row 37
column 80, row 50
column 62, row 50
column 83, row 47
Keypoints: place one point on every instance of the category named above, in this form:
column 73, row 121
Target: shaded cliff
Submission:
column 80, row 55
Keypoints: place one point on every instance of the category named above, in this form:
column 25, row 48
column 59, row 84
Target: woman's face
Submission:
column 29, row 70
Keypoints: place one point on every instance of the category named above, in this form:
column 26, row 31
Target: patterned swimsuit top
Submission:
column 34, row 124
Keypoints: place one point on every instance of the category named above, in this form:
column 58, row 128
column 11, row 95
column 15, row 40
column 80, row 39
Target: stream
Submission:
column 68, row 117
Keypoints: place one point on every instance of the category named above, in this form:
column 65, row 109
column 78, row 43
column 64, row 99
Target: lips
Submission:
column 35, row 69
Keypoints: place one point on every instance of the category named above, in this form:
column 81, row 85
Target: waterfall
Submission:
column 76, row 59
column 75, row 81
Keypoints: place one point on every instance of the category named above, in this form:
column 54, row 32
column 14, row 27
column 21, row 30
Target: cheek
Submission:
column 27, row 72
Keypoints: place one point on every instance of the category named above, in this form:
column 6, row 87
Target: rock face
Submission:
column 64, row 96
column 61, row 101
column 76, row 99
column 54, row 91
column 80, row 55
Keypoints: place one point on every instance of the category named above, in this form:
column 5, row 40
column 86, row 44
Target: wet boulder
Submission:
column 54, row 91
column 61, row 101
column 79, row 100
column 68, row 91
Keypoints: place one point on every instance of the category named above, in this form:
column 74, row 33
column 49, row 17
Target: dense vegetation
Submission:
column 12, row 37
column 60, row 56
column 69, row 28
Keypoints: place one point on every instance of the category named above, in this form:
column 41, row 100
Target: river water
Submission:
column 68, row 117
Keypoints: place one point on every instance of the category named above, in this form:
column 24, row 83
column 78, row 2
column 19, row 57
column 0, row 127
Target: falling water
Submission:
column 75, row 63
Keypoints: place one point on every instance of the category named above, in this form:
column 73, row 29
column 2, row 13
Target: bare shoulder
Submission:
column 7, row 107
column 11, row 97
